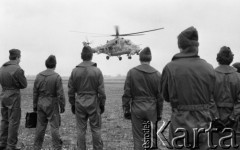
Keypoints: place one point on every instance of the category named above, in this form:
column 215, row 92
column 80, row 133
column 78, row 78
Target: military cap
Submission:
column 14, row 53
column 51, row 62
column 188, row 37
column 145, row 55
column 87, row 49
column 225, row 56
column 86, row 53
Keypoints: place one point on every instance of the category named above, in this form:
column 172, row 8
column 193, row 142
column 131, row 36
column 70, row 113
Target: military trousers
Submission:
column 87, row 108
column 191, row 121
column 11, row 116
column 43, row 118
column 144, row 123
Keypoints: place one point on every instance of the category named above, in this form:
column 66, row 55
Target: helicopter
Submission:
column 119, row 46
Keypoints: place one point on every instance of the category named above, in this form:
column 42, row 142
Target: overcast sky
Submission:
column 41, row 27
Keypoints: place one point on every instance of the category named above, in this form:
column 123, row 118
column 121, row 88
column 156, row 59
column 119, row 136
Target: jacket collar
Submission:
column 190, row 52
column 226, row 69
column 48, row 72
column 11, row 62
column 87, row 63
column 146, row 68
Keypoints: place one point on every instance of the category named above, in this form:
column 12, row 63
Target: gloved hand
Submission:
column 126, row 112
column 73, row 109
column 34, row 109
column 127, row 115
column 62, row 110
column 217, row 123
column 230, row 123
column 102, row 108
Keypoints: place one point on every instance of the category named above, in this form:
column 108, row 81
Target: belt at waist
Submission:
column 227, row 105
column 144, row 98
column 193, row 107
column 87, row 92
column 10, row 89
column 45, row 95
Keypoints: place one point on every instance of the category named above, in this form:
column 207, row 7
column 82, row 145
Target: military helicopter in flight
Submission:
column 119, row 46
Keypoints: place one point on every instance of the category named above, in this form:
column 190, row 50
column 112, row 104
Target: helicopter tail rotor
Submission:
column 86, row 43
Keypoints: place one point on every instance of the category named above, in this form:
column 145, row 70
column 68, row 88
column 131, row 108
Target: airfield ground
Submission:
column 116, row 131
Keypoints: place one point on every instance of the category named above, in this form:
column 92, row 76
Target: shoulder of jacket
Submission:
column 38, row 76
column 75, row 69
column 57, row 75
column 131, row 70
column 18, row 70
column 158, row 73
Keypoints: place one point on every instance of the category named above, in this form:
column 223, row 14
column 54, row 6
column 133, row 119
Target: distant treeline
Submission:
column 107, row 80
column 106, row 77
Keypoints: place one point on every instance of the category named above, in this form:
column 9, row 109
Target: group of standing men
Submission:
column 202, row 98
column 86, row 96
column 198, row 94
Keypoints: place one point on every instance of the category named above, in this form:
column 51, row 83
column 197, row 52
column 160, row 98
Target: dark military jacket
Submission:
column 227, row 92
column 188, row 84
column 86, row 78
column 12, row 79
column 142, row 90
column 12, row 76
column 48, row 90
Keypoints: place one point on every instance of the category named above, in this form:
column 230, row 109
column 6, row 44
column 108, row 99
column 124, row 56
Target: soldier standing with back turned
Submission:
column 142, row 100
column 12, row 79
column 227, row 95
column 48, row 98
column 87, row 98
column 188, row 84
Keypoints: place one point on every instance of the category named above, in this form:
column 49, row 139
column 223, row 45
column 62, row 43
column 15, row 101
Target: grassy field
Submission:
column 116, row 131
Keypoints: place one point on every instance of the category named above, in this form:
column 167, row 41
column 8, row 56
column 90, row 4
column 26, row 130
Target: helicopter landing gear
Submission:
column 120, row 58
column 107, row 57
column 129, row 57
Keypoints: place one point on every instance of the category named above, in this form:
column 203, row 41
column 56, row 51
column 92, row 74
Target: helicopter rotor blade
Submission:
column 131, row 35
column 117, row 33
column 128, row 34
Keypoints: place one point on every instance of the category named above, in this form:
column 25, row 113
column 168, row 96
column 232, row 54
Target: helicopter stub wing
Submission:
column 135, row 51
column 95, row 50
column 121, row 53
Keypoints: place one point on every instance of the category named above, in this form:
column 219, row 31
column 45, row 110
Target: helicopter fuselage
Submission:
column 118, row 47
